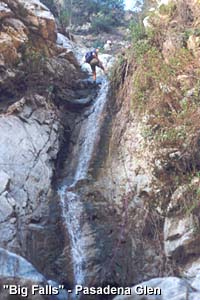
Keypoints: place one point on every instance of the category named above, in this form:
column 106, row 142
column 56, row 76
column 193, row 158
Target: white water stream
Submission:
column 82, row 237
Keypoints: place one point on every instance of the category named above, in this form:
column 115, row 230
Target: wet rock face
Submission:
column 100, row 248
column 124, row 178
column 98, row 239
column 104, row 201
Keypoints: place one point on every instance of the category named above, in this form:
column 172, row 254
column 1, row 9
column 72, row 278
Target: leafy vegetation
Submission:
column 168, row 9
column 64, row 18
column 101, row 22
column 137, row 31
column 164, row 88
column 103, row 14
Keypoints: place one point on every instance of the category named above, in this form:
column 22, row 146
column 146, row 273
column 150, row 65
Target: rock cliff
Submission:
column 156, row 143
column 100, row 185
column 37, row 75
column 44, row 99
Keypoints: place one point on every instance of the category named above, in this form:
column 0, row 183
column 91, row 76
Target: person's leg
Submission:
column 100, row 65
column 93, row 65
column 94, row 74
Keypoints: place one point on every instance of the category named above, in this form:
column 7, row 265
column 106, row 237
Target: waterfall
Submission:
column 72, row 210
column 82, row 236
column 92, row 130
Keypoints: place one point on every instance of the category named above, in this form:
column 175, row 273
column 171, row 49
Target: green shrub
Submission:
column 167, row 9
column 98, row 44
column 64, row 18
column 140, row 48
column 102, row 23
column 137, row 31
column 171, row 135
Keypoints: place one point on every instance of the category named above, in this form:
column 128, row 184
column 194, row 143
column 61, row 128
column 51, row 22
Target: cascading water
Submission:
column 82, row 236
column 92, row 130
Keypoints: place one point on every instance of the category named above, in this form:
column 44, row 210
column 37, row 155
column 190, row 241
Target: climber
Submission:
column 93, row 59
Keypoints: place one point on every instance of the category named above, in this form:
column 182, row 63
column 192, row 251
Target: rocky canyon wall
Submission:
column 122, row 192
column 36, row 75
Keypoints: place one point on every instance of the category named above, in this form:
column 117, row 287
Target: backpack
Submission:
column 89, row 56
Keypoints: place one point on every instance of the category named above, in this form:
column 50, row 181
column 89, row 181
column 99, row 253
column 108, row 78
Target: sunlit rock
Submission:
column 170, row 288
column 36, row 15
column 180, row 238
column 4, row 11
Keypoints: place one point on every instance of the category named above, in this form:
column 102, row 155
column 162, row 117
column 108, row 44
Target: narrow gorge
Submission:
column 99, row 181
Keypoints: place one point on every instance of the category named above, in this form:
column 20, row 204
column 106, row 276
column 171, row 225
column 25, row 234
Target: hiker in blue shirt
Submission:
column 93, row 59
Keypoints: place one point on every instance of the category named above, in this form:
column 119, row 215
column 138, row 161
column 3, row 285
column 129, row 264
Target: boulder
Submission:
column 12, row 35
column 7, row 48
column 64, row 42
column 36, row 16
column 196, row 282
column 180, row 239
column 170, row 288
column 192, row 273
column 179, row 199
column 17, row 31
column 15, row 270
column 5, row 11
column 13, row 265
